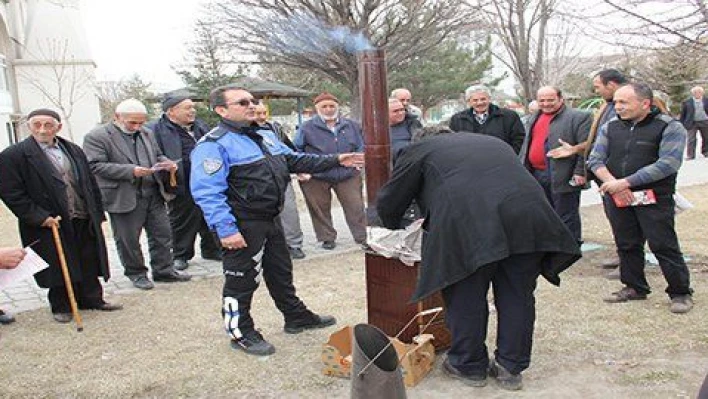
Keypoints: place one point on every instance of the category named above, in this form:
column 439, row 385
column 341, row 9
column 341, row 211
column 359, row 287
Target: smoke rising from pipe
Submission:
column 303, row 33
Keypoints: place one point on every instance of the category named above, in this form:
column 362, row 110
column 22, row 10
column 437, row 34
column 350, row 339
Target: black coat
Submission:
column 167, row 136
column 688, row 108
column 480, row 206
column 33, row 190
column 502, row 123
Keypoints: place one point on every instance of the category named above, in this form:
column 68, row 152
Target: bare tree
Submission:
column 521, row 26
column 110, row 93
column 324, row 35
column 58, row 77
column 645, row 24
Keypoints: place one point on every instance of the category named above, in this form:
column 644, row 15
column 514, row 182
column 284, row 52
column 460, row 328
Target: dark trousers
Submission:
column 265, row 256
column 513, row 281
column 149, row 214
column 702, row 127
column 187, row 220
column 632, row 226
column 88, row 292
column 318, row 196
column 566, row 205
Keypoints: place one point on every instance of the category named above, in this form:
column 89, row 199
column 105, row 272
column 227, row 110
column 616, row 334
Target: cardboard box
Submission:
column 417, row 359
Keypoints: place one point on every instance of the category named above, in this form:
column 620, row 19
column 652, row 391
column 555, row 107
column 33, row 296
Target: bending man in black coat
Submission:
column 486, row 221
column 46, row 181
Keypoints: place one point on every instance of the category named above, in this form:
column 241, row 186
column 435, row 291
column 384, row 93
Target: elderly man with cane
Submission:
column 46, row 182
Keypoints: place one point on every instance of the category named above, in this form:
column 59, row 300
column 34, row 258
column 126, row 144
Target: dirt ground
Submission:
column 169, row 342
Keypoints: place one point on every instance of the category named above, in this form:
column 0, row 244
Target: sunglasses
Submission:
column 244, row 102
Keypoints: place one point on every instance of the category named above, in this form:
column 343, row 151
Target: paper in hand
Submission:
column 31, row 264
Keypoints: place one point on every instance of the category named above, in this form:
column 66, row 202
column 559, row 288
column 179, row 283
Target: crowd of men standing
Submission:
column 176, row 179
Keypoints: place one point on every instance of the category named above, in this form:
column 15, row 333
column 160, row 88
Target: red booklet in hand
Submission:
column 641, row 197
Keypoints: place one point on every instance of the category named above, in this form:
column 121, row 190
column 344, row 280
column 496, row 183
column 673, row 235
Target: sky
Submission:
column 146, row 37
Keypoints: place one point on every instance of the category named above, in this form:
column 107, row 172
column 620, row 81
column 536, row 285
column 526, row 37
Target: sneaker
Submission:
column 311, row 322
column 329, row 245
column 180, row 264
column 681, row 304
column 143, row 283
column 253, row 343
column 624, row 295
column 506, row 380
column 296, row 253
column 472, row 380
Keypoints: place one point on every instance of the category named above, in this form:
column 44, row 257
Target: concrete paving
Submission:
column 26, row 295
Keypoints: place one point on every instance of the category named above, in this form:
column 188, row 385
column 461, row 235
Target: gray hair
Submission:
column 476, row 89
column 429, row 131
column 697, row 89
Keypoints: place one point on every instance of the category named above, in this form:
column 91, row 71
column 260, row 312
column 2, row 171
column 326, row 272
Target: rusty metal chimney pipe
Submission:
column 374, row 120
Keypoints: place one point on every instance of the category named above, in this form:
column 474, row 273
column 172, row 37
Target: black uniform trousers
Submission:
column 513, row 281
column 187, row 220
column 265, row 256
column 88, row 291
column 632, row 226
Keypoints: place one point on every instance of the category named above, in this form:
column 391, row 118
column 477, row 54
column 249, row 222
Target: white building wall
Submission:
column 54, row 68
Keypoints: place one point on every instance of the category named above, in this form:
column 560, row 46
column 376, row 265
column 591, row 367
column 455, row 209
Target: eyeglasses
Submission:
column 244, row 102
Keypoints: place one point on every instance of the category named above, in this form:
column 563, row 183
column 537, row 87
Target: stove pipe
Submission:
column 374, row 121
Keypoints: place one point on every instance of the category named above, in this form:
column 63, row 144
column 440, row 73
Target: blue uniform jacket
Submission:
column 241, row 172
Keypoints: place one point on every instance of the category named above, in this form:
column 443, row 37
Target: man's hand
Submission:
column 232, row 242
column 564, row 151
column 615, row 186
column 578, row 180
column 352, row 159
column 140, row 171
column 167, row 165
column 11, row 257
column 303, row 176
column 50, row 221
column 623, row 197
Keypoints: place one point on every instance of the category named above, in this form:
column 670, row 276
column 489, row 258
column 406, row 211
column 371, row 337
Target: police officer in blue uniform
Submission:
column 239, row 175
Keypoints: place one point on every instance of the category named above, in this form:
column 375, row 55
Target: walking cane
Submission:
column 67, row 279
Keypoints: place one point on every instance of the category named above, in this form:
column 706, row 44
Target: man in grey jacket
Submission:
column 129, row 168
column 562, row 179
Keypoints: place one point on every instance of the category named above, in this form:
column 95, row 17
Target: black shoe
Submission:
column 6, row 318
column 180, row 264
column 310, row 322
column 253, row 343
column 143, row 283
column 172, row 277
column 212, row 256
column 472, row 380
column 62, row 317
column 329, row 245
column 103, row 307
column 506, row 380
column 296, row 253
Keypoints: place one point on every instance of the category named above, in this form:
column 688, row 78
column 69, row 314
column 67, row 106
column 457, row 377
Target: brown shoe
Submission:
column 62, row 317
column 681, row 304
column 624, row 295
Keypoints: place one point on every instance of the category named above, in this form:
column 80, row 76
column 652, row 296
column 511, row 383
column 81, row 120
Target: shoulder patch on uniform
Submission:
column 212, row 165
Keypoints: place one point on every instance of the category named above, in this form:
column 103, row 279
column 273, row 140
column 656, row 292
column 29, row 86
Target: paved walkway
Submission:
column 26, row 295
